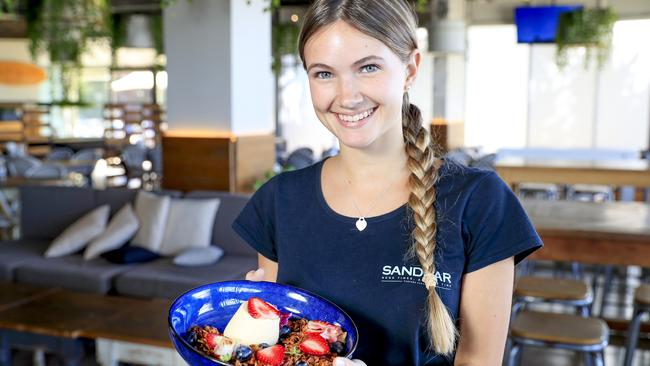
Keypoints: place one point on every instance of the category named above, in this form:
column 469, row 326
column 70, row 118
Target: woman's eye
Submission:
column 323, row 75
column 369, row 68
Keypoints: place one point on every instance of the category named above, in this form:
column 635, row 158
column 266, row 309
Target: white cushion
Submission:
column 120, row 230
column 82, row 231
column 199, row 256
column 189, row 225
column 151, row 211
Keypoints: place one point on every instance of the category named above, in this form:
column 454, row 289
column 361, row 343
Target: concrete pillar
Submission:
column 447, row 41
column 220, row 86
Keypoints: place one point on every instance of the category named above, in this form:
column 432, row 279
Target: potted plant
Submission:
column 589, row 28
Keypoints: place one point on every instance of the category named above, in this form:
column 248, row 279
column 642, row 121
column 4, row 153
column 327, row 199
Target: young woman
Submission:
column 419, row 251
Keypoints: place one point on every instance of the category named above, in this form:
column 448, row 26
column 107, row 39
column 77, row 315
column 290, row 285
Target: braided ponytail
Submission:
column 424, row 167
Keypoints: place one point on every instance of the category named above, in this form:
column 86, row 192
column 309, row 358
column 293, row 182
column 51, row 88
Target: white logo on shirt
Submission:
column 413, row 274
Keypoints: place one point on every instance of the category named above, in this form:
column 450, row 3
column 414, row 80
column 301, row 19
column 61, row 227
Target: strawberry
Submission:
column 314, row 345
column 329, row 332
column 211, row 340
column 271, row 355
column 259, row 308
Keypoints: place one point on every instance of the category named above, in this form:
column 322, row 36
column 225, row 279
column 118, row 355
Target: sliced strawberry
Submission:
column 314, row 345
column 259, row 308
column 211, row 340
column 329, row 332
column 271, row 355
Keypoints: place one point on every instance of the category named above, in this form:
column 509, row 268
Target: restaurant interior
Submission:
column 153, row 111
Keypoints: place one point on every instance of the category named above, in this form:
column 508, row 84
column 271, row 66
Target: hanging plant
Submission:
column 63, row 29
column 284, row 38
column 589, row 28
column 7, row 7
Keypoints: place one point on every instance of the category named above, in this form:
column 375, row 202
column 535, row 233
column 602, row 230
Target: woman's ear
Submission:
column 412, row 67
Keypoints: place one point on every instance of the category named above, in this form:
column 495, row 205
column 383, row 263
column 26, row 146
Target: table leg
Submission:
column 71, row 349
column 5, row 349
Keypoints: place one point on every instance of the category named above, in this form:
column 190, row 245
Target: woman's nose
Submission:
column 349, row 94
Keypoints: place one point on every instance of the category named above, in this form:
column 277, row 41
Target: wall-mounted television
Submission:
column 538, row 24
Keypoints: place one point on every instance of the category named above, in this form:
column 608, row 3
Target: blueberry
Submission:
column 337, row 347
column 263, row 345
column 301, row 363
column 285, row 330
column 243, row 353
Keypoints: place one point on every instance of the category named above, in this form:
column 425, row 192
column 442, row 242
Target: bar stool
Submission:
column 550, row 290
column 566, row 331
column 541, row 191
column 641, row 307
column 530, row 290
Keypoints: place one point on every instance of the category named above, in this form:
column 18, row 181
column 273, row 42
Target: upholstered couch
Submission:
column 47, row 211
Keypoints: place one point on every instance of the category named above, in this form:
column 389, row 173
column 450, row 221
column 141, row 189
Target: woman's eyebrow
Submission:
column 356, row 63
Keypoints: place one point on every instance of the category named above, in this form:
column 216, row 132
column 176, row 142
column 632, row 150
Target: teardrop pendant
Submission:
column 361, row 224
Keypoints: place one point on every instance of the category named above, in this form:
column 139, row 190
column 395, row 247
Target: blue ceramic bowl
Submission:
column 214, row 304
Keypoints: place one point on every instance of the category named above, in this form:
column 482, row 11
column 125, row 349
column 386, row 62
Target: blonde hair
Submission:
column 394, row 23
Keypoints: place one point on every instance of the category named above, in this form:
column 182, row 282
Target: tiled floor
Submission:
column 619, row 304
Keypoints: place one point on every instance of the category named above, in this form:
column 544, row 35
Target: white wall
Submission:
column 561, row 102
column 496, row 105
column 251, row 77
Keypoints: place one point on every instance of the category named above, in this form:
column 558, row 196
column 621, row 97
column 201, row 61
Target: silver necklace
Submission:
column 361, row 223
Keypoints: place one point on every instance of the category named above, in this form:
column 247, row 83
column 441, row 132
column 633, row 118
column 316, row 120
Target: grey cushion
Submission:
column 16, row 252
column 189, row 225
column 222, row 233
column 80, row 233
column 198, row 256
column 47, row 211
column 164, row 279
column 70, row 272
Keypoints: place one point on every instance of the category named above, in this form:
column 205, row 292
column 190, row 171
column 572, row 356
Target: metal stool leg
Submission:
column 599, row 357
column 576, row 270
column 588, row 358
column 607, row 284
column 633, row 335
column 513, row 356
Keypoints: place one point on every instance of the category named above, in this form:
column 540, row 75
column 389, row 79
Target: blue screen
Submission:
column 538, row 24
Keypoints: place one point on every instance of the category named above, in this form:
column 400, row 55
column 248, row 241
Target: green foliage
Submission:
column 268, row 175
column 63, row 30
column 7, row 7
column 284, row 38
column 589, row 28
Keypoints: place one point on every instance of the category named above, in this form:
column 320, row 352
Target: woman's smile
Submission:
column 356, row 120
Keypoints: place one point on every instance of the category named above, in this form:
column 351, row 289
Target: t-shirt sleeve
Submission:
column 496, row 226
column 256, row 222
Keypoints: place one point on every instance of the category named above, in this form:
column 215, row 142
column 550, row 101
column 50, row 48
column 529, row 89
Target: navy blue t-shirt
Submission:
column 480, row 222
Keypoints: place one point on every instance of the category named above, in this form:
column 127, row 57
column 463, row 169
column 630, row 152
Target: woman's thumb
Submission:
column 257, row 275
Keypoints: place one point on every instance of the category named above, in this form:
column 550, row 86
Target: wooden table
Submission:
column 607, row 172
column 12, row 295
column 609, row 233
column 126, row 329
column 616, row 233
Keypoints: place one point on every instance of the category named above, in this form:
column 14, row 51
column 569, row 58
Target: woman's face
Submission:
column 357, row 84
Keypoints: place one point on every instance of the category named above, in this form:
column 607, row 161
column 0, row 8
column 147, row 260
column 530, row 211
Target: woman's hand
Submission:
column 341, row 361
column 256, row 275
